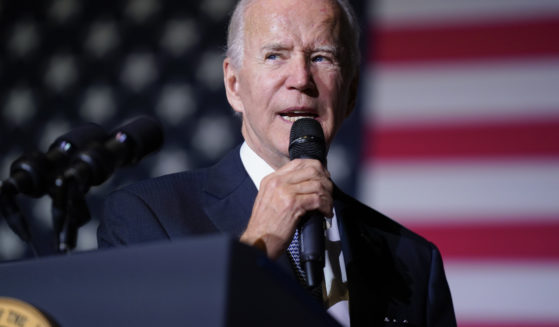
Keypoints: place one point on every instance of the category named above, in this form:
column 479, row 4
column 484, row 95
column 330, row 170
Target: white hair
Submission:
column 235, row 35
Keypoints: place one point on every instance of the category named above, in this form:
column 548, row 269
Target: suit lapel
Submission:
column 364, row 264
column 376, row 285
column 229, row 194
column 350, row 238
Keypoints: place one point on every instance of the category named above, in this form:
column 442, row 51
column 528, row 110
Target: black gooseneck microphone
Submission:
column 306, row 141
column 33, row 173
column 94, row 165
column 126, row 145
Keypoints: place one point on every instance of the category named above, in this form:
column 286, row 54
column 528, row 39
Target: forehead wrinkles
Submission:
column 311, row 24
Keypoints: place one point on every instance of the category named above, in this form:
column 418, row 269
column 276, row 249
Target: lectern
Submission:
column 206, row 281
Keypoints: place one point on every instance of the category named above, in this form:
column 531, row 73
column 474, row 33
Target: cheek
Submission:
column 342, row 98
column 331, row 83
column 261, row 88
column 337, row 98
column 250, row 80
column 332, row 91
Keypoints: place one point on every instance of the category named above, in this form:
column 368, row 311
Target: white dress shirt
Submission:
column 335, row 279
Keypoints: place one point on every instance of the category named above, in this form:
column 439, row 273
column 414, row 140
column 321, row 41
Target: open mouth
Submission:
column 293, row 116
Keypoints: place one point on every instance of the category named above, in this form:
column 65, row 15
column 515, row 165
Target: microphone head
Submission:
column 79, row 138
column 33, row 173
column 306, row 140
column 127, row 144
column 145, row 134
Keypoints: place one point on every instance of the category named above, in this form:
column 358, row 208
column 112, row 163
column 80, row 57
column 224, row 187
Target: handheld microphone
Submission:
column 306, row 141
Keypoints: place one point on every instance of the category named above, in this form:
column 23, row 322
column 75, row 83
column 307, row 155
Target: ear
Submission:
column 231, row 80
column 352, row 94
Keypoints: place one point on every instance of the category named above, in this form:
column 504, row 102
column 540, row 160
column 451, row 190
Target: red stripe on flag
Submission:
column 480, row 140
column 508, row 240
column 519, row 38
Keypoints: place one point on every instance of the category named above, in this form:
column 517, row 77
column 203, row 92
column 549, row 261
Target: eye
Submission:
column 325, row 58
column 272, row 56
column 318, row 59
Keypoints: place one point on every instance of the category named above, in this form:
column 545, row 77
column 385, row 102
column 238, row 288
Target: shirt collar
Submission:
column 255, row 166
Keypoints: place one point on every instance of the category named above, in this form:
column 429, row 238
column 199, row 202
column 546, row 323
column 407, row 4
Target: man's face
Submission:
column 291, row 68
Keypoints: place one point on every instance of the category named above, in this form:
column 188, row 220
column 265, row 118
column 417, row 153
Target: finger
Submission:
column 317, row 186
column 298, row 164
column 313, row 202
column 300, row 171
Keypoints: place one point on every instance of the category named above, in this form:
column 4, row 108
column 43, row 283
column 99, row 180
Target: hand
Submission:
column 300, row 186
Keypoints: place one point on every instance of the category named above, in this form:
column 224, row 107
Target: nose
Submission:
column 300, row 76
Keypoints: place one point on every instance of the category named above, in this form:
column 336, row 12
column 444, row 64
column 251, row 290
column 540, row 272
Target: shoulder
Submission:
column 371, row 234
column 167, row 206
column 359, row 216
column 190, row 183
column 151, row 210
column 402, row 268
column 167, row 185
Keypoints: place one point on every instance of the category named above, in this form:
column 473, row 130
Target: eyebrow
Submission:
column 274, row 47
column 330, row 49
column 279, row 47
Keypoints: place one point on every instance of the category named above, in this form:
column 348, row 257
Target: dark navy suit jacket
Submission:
column 395, row 277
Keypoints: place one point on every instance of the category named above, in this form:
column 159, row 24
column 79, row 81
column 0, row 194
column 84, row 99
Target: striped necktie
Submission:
column 293, row 250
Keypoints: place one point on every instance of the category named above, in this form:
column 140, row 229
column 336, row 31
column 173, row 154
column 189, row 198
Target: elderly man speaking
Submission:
column 288, row 60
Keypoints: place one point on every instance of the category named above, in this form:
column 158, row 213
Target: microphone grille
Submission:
column 306, row 140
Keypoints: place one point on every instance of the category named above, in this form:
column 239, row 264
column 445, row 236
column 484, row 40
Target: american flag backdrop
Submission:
column 461, row 144
column 456, row 133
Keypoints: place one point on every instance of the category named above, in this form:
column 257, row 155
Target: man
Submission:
column 285, row 60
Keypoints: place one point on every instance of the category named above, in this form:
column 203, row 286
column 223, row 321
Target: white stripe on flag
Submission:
column 405, row 13
column 466, row 91
column 504, row 292
column 444, row 189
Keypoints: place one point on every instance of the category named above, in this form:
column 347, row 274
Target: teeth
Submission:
column 293, row 118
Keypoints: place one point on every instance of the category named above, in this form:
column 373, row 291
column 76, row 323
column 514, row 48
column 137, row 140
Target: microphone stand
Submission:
column 69, row 211
column 14, row 218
